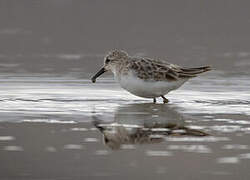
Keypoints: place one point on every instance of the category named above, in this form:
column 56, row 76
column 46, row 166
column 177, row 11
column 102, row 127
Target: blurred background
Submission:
column 56, row 124
column 71, row 37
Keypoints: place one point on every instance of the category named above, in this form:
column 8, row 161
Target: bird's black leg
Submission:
column 165, row 100
column 154, row 100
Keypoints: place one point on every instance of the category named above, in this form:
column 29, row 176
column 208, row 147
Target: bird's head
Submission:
column 111, row 60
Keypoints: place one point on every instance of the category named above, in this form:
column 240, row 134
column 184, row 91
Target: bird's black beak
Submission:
column 99, row 73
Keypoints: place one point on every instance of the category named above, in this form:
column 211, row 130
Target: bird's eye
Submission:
column 107, row 60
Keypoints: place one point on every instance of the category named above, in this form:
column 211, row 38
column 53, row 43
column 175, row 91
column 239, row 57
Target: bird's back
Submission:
column 157, row 70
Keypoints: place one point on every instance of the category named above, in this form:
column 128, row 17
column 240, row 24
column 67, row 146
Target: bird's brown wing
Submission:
column 157, row 70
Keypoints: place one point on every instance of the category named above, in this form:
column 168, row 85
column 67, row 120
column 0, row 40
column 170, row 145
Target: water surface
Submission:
column 59, row 127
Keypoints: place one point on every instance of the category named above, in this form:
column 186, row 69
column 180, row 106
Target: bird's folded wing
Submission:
column 158, row 70
column 148, row 69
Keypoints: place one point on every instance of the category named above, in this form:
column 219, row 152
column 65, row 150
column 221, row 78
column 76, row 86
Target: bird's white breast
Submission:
column 148, row 89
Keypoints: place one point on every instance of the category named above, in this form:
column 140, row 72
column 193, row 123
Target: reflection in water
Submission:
column 143, row 123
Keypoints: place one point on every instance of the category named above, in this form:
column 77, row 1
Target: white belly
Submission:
column 148, row 89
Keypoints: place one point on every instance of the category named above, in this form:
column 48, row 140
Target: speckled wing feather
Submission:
column 157, row 70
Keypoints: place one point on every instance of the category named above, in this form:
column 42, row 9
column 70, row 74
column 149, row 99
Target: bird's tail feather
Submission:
column 192, row 72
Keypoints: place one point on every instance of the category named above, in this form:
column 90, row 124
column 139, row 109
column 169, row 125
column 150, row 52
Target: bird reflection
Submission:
column 143, row 124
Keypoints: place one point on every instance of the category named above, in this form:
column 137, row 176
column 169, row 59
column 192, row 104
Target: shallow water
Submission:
column 68, row 128
column 55, row 124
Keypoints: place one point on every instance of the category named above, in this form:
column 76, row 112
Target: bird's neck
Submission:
column 119, row 69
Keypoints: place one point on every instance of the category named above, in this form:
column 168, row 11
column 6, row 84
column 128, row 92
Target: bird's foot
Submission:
column 165, row 100
column 154, row 100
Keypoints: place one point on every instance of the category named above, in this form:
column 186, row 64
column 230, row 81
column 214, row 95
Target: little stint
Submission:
column 145, row 77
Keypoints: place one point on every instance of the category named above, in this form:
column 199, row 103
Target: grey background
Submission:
column 65, row 36
column 41, row 40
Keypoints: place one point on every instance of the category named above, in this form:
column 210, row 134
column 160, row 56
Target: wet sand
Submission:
column 76, row 151
column 58, row 128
